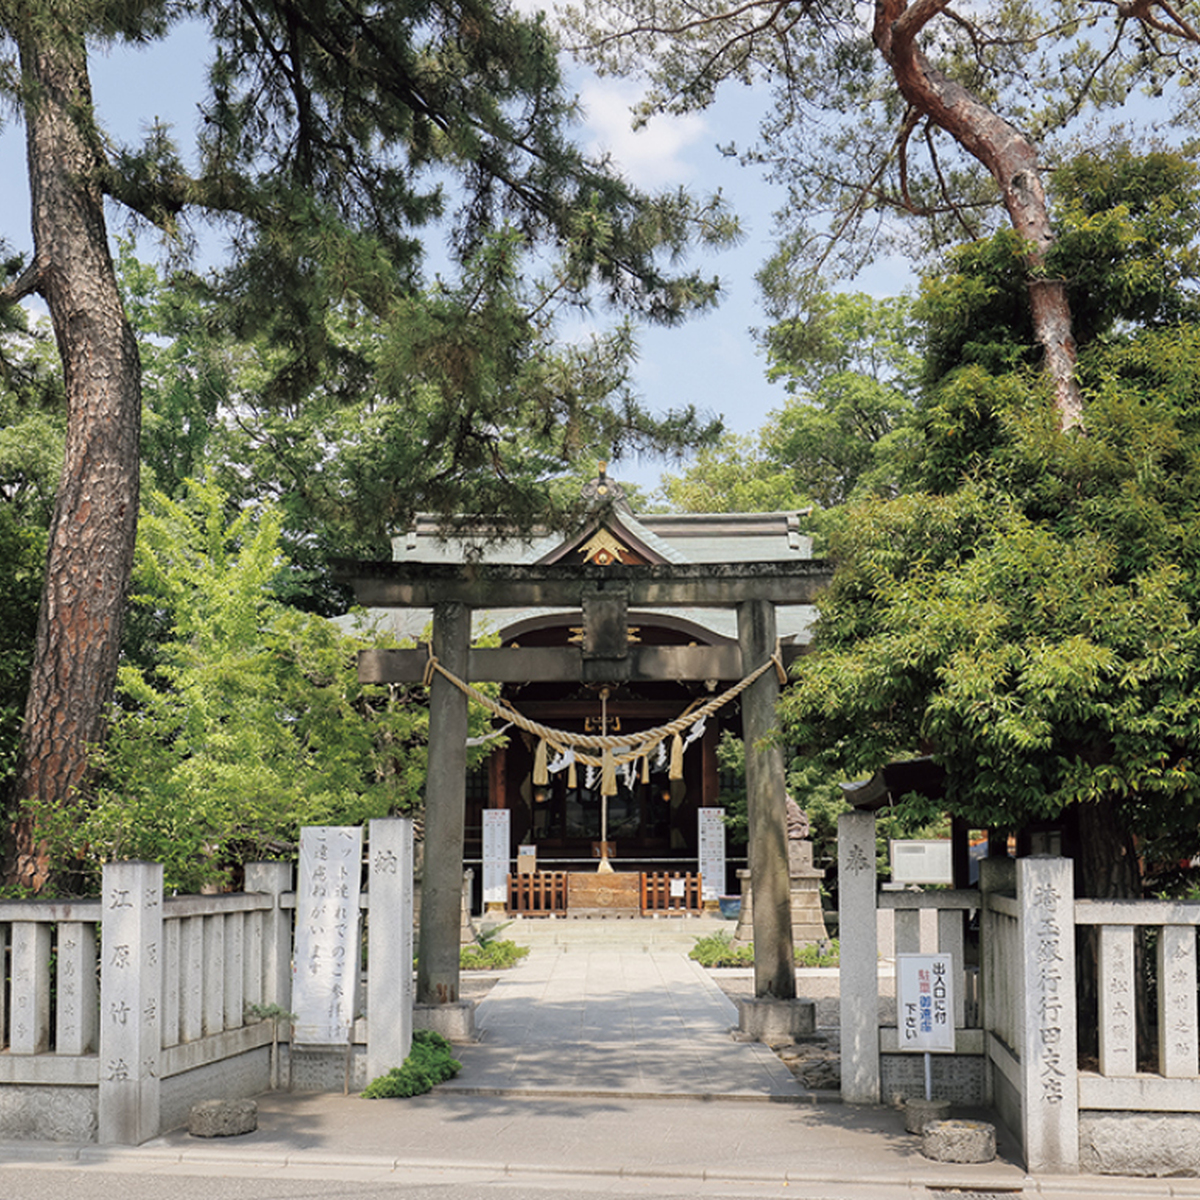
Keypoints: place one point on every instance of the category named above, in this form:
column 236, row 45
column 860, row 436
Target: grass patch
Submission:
column 429, row 1062
column 717, row 950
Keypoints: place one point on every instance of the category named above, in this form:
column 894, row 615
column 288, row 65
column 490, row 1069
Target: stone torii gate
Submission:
column 605, row 594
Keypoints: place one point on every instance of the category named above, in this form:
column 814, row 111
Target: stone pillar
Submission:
column 766, row 799
column 274, row 878
column 130, row 1002
column 389, row 944
column 743, row 933
column 857, row 931
column 31, row 987
column 1049, row 1074
column 78, row 1004
column 468, row 935
column 445, row 812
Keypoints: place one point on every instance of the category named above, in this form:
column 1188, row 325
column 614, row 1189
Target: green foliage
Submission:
column 1030, row 615
column 247, row 722
column 1036, row 629
column 826, row 954
column 31, row 445
column 1126, row 229
column 429, row 1063
column 851, row 369
column 491, row 955
column 270, row 1012
column 459, row 399
column 718, row 950
column 737, row 474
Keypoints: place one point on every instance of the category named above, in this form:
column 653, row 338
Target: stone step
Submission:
column 625, row 933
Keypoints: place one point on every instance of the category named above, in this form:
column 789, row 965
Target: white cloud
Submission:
column 652, row 156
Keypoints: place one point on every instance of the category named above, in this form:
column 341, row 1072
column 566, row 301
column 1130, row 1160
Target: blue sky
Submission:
column 710, row 361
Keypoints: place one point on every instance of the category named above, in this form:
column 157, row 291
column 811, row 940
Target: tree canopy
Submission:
column 328, row 136
column 1028, row 612
column 852, row 368
column 913, row 126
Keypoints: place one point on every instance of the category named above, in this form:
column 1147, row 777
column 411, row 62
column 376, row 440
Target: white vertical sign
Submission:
column 327, row 934
column 495, row 855
column 712, row 852
column 925, row 1002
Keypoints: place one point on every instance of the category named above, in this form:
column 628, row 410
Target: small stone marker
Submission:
column 223, row 1118
column 959, row 1141
column 919, row 1113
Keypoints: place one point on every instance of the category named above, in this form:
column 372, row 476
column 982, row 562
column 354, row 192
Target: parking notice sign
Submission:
column 925, row 1002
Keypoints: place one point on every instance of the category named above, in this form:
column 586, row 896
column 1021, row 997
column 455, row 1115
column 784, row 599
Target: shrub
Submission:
column 491, row 956
column 823, row 954
column 717, row 950
column 429, row 1062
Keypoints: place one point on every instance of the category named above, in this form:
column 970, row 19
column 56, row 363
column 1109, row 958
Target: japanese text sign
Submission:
column 925, row 1002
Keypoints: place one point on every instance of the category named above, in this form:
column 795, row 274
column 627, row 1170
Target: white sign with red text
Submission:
column 925, row 1002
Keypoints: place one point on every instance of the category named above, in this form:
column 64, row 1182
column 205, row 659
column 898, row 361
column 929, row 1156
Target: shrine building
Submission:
column 651, row 814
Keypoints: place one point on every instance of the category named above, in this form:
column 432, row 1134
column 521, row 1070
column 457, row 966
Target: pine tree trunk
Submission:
column 1013, row 163
column 95, row 516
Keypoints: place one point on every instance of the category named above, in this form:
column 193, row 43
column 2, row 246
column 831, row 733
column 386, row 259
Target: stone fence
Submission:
column 1135, row 1109
column 120, row 1013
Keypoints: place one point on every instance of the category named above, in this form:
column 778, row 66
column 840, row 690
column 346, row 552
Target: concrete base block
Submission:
column 959, row 1141
column 919, row 1113
column 455, row 1022
column 769, row 1020
column 223, row 1118
column 1147, row 1144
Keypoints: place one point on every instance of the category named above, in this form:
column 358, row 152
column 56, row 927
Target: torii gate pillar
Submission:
column 445, row 811
column 766, row 808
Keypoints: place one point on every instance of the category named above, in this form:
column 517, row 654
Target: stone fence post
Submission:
column 274, row 878
column 1049, row 1070
column 130, row 1002
column 859, row 939
column 389, row 944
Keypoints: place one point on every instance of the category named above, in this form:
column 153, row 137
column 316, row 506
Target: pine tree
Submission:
column 328, row 131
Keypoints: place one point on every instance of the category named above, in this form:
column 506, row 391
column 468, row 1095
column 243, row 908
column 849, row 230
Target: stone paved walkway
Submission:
column 595, row 1020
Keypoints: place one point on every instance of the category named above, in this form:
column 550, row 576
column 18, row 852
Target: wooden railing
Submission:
column 677, row 892
column 539, row 893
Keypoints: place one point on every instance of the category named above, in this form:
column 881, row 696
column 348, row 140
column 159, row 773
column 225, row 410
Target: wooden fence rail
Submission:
column 539, row 893
column 677, row 892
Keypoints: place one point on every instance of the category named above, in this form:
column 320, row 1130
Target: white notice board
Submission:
column 325, row 975
column 922, row 860
column 495, row 855
column 925, row 1002
column 712, row 852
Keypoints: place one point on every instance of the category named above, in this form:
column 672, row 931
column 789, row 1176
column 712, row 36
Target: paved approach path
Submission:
column 601, row 1020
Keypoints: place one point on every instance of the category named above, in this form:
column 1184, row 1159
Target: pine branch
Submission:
column 25, row 284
